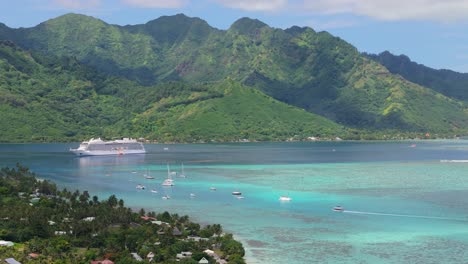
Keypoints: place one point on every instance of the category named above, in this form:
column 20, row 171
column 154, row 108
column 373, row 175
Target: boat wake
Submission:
column 454, row 161
column 403, row 215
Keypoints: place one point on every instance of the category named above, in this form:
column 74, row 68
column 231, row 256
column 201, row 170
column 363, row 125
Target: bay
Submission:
column 405, row 202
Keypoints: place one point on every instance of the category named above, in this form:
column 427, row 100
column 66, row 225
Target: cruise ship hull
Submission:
column 82, row 153
column 98, row 147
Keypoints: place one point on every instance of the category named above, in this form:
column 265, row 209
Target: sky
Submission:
column 430, row 32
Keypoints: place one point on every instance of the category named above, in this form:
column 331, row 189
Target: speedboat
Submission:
column 285, row 198
column 236, row 193
column 338, row 208
column 140, row 187
column 168, row 182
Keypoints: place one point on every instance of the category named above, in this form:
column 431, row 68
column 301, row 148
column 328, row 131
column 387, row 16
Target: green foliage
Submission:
column 58, row 227
column 240, row 113
column 177, row 79
column 446, row 82
column 74, row 103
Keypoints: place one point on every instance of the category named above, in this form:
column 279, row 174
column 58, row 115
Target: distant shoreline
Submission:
column 257, row 141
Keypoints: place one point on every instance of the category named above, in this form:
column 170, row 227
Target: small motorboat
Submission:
column 140, row 187
column 236, row 193
column 285, row 198
column 149, row 177
column 154, row 191
column 213, row 188
column 192, row 195
column 168, row 182
column 166, row 197
column 338, row 208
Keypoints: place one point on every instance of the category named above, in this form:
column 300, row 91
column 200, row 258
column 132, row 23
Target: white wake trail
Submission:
column 403, row 215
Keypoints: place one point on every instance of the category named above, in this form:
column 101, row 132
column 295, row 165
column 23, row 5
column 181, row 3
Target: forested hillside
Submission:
column 60, row 226
column 450, row 83
column 45, row 98
column 176, row 78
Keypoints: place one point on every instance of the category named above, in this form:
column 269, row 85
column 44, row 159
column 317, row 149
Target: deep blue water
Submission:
column 403, row 205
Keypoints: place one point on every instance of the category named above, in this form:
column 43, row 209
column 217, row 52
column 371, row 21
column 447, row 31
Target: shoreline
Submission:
column 247, row 142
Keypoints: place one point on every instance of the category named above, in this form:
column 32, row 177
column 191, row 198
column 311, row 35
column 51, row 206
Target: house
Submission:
column 89, row 219
column 209, row 252
column 146, row 218
column 203, row 261
column 4, row 243
column 184, row 254
column 197, row 238
column 176, row 232
column 106, row 261
column 35, row 200
column 136, row 256
column 150, row 256
column 12, row 261
column 160, row 223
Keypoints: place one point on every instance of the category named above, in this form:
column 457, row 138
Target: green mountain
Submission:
column 58, row 99
column 44, row 99
column 236, row 112
column 449, row 83
column 314, row 71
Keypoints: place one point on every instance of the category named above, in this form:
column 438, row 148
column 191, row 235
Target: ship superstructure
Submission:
column 99, row 147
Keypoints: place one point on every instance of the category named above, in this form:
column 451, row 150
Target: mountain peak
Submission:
column 170, row 29
column 71, row 18
column 247, row 25
column 402, row 57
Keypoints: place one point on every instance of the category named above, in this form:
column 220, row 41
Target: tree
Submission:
column 112, row 201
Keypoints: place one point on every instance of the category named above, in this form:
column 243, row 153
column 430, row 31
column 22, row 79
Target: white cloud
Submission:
column 77, row 4
column 331, row 24
column 156, row 3
column 433, row 10
column 254, row 5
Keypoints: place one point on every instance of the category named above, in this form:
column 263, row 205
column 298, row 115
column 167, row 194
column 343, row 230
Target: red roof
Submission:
column 106, row 261
column 33, row 255
column 147, row 218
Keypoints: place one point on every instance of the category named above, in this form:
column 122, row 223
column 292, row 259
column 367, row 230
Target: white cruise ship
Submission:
column 99, row 147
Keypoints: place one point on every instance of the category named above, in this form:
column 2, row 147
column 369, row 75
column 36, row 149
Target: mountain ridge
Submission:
column 450, row 83
column 58, row 99
column 315, row 71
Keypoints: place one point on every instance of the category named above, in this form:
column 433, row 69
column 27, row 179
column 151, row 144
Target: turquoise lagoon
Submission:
column 403, row 203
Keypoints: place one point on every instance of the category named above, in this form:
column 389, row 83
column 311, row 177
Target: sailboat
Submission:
column 182, row 174
column 147, row 176
column 169, row 181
